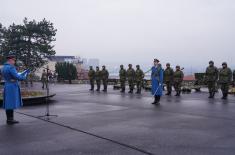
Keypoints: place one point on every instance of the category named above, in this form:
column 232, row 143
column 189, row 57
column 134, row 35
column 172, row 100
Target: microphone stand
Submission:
column 47, row 114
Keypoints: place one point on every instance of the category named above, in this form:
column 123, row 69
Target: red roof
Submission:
column 189, row 78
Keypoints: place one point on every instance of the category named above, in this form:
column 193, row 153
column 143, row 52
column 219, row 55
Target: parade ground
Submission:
column 112, row 123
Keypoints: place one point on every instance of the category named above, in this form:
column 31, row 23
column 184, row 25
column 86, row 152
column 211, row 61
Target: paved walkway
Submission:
column 113, row 123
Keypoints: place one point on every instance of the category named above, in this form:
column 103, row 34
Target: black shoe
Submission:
column 156, row 100
column 97, row 90
column 157, row 103
column 11, row 122
column 210, row 96
column 130, row 92
column 168, row 93
column 105, row 90
column 213, row 94
column 223, row 98
column 91, row 89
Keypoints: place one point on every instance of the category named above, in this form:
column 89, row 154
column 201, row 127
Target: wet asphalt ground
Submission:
column 112, row 123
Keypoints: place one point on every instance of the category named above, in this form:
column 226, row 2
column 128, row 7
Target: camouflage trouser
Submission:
column 168, row 86
column 44, row 84
column 92, row 82
column 177, row 86
column 224, row 88
column 211, row 86
column 131, row 84
column 139, row 85
column 105, row 83
column 123, row 84
column 98, row 84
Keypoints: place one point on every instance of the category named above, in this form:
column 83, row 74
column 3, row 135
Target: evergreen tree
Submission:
column 66, row 71
column 30, row 42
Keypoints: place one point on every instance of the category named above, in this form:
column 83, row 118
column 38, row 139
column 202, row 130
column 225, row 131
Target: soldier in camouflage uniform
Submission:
column 105, row 77
column 122, row 76
column 178, row 79
column 225, row 77
column 98, row 78
column 130, row 73
column 139, row 74
column 44, row 79
column 168, row 78
column 91, row 75
column 211, row 76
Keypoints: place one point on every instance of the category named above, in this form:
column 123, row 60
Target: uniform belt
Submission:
column 11, row 80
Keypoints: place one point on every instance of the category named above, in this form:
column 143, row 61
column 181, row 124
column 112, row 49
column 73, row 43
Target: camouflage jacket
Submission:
column 122, row 74
column 178, row 76
column 104, row 74
column 44, row 76
column 211, row 74
column 168, row 75
column 225, row 75
column 98, row 75
column 139, row 75
column 130, row 73
column 91, row 74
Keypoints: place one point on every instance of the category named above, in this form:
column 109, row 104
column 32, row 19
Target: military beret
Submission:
column 11, row 57
column 156, row 60
column 224, row 63
column 137, row 65
column 168, row 64
column 177, row 66
column 211, row 62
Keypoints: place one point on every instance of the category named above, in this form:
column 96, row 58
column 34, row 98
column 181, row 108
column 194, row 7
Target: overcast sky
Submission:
column 186, row 32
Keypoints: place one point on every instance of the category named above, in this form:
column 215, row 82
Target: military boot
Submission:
column 10, row 117
column 122, row 91
column 155, row 100
column 158, row 100
column 138, row 91
column 210, row 95
column 213, row 94
column 177, row 93
column 168, row 93
column 224, row 96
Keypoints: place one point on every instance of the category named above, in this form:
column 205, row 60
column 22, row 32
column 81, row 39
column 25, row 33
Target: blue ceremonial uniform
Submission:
column 157, row 80
column 12, row 96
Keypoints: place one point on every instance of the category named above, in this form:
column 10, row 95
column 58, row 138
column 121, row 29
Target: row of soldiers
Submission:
column 213, row 76
column 133, row 77
column 171, row 77
column 221, row 76
column 98, row 76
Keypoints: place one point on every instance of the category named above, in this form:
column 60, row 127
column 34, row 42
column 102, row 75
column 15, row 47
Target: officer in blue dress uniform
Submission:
column 157, row 81
column 11, row 95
